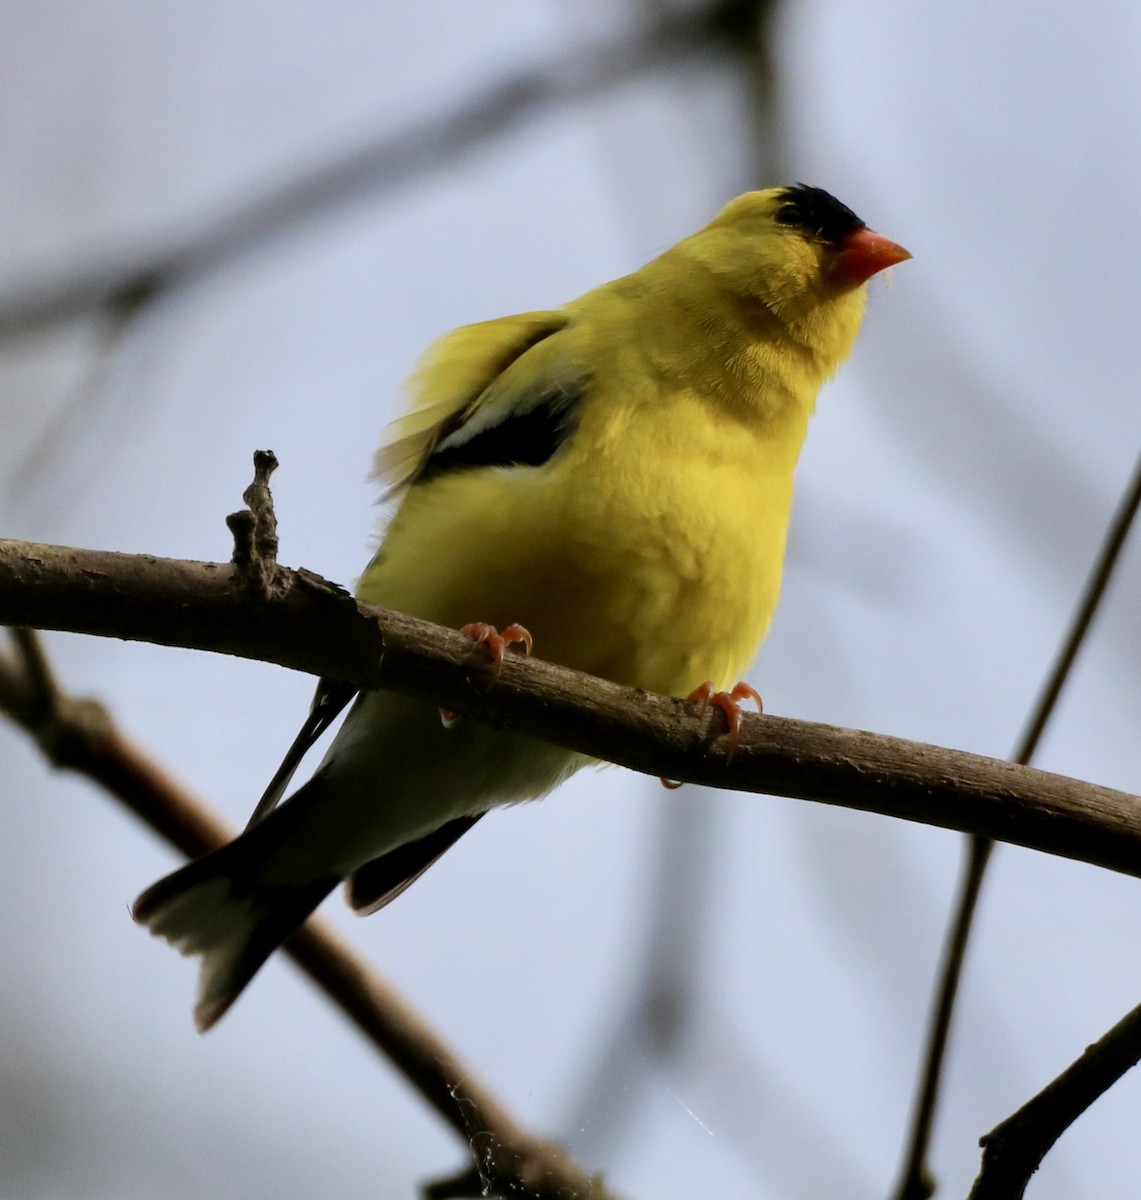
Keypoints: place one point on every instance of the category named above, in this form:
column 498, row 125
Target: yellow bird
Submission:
column 615, row 476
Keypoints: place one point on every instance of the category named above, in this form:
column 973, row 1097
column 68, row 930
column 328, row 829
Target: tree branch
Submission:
column 310, row 625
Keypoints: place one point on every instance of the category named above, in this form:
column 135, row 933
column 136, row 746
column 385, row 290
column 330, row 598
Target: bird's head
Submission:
column 794, row 249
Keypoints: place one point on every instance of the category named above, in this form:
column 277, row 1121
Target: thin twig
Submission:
column 63, row 726
column 255, row 528
column 88, row 398
column 42, row 692
column 917, row 1181
column 509, row 1159
column 1014, row 1150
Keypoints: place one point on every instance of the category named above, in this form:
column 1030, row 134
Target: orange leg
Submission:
column 483, row 634
column 730, row 704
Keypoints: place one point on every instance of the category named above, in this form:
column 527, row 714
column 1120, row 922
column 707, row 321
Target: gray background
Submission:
column 950, row 498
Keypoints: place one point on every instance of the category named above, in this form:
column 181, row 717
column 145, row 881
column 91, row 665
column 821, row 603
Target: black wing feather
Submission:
column 380, row 881
column 329, row 699
column 528, row 436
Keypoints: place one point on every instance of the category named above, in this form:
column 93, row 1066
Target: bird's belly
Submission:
column 666, row 583
column 676, row 599
column 395, row 773
column 673, row 586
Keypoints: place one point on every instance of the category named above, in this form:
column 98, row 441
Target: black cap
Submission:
column 817, row 212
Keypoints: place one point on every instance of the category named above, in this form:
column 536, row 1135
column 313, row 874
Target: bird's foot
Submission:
column 496, row 642
column 487, row 635
column 730, row 704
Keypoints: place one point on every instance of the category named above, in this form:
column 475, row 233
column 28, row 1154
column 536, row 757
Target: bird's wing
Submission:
column 329, row 699
column 451, row 386
column 377, row 883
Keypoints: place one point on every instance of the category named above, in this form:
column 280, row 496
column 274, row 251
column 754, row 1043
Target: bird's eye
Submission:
column 789, row 214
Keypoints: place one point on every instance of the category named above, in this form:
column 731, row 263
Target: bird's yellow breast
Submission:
column 649, row 553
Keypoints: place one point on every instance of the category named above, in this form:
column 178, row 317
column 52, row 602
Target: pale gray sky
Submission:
column 953, row 488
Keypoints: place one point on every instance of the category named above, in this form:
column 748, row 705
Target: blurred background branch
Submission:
column 917, row 1179
column 80, row 735
column 668, row 37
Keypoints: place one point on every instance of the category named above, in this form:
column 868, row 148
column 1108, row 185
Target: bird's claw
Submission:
column 729, row 703
column 487, row 635
column 496, row 642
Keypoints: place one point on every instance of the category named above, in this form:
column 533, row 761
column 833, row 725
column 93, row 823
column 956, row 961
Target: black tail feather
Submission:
column 213, row 908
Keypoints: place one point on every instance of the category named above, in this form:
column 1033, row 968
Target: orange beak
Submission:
column 862, row 254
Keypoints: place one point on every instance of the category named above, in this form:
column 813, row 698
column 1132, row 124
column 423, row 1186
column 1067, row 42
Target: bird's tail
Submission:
column 216, row 907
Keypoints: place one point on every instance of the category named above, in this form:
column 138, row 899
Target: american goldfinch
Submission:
column 616, row 477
